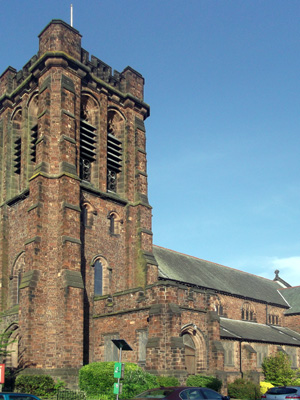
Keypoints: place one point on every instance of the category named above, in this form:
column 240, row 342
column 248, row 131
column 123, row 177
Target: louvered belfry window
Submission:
column 33, row 140
column 87, row 149
column 17, row 156
column 114, row 160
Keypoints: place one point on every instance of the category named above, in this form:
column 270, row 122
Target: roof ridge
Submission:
column 211, row 262
column 291, row 287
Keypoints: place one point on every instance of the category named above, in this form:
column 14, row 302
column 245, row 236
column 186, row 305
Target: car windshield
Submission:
column 281, row 390
column 154, row 394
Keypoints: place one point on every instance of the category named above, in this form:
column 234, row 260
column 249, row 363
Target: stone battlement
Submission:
column 59, row 37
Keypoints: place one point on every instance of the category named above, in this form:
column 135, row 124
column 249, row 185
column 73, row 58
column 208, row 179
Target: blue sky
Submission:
column 222, row 78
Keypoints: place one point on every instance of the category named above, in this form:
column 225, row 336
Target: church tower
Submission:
column 74, row 211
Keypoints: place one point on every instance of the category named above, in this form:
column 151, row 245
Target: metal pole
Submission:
column 120, row 359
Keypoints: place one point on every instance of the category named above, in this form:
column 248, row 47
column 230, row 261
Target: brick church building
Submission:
column 77, row 264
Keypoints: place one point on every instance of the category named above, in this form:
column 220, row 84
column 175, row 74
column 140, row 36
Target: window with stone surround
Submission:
column 228, row 353
column 102, row 276
column 292, row 353
column 15, row 279
column 273, row 318
column 114, row 223
column 87, row 214
column 111, row 352
column 261, row 353
column 248, row 312
column 218, row 307
column 142, row 340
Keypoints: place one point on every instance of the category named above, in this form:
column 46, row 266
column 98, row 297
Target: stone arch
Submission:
column 90, row 108
column 195, row 349
column 11, row 337
column 17, row 271
column 248, row 311
column 102, row 276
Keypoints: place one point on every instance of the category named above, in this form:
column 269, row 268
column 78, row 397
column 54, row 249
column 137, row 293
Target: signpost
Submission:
column 119, row 367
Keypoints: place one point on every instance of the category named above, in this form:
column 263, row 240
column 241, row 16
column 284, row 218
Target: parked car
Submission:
column 181, row 393
column 282, row 392
column 17, row 396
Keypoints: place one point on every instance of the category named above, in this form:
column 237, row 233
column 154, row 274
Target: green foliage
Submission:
column 97, row 379
column 136, row 380
column 167, row 381
column 264, row 387
column 204, row 381
column 277, row 369
column 39, row 385
column 243, row 389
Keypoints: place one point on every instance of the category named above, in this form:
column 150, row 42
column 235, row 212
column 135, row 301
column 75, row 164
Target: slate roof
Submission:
column 254, row 332
column 187, row 269
column 292, row 296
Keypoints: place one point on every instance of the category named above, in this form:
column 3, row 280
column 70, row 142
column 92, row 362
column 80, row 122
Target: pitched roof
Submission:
column 292, row 296
column 187, row 269
column 254, row 332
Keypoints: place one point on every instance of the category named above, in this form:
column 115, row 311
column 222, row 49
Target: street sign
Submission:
column 2, row 373
column 119, row 370
column 117, row 388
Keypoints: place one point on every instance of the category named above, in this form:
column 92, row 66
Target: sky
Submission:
column 222, row 78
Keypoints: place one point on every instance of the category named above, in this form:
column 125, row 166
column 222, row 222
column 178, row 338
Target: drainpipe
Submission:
column 241, row 369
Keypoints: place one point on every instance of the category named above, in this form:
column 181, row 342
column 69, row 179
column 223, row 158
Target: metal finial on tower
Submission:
column 71, row 14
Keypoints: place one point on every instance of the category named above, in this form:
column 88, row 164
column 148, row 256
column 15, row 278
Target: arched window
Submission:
column 273, row 318
column 87, row 213
column 218, row 307
column 114, row 223
column 102, row 277
column 98, row 278
column 248, row 313
column 15, row 279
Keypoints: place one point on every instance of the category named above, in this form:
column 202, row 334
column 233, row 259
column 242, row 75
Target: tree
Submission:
column 277, row 369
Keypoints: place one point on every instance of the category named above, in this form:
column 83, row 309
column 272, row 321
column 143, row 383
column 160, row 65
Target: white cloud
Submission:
column 289, row 267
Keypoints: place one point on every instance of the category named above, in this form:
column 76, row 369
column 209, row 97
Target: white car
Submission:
column 282, row 393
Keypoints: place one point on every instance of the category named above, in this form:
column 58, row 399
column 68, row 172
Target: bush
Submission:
column 167, row 381
column 243, row 389
column 264, row 387
column 277, row 369
column 204, row 381
column 98, row 379
column 39, row 385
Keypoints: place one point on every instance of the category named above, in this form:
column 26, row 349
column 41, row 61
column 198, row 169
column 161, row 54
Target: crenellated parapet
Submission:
column 61, row 43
